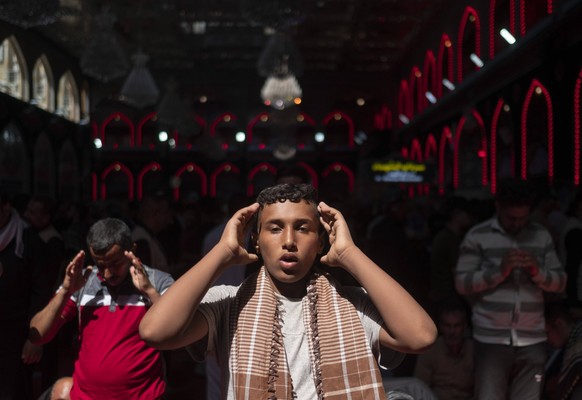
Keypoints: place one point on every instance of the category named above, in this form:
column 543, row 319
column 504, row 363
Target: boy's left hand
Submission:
column 340, row 238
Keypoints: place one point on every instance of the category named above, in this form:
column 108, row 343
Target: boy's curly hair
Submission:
column 287, row 192
column 284, row 192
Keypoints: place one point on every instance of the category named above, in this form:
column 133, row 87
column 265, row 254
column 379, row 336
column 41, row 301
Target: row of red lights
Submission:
column 415, row 151
column 208, row 185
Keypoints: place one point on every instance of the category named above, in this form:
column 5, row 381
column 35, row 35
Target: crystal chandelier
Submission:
column 29, row 13
column 280, row 62
column 281, row 93
column 103, row 58
column 140, row 89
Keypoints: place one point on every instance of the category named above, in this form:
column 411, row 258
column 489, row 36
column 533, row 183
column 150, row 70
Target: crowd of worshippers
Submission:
column 452, row 298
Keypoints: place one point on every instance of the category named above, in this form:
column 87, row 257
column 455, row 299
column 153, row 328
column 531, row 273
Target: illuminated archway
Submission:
column 531, row 124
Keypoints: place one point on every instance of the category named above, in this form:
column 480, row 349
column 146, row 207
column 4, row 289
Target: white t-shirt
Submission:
column 216, row 309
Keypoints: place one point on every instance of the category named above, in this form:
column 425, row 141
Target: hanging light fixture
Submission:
column 140, row 89
column 281, row 63
column 281, row 93
column 29, row 13
column 103, row 58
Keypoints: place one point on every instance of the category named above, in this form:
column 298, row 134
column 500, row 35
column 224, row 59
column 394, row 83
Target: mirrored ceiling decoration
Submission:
column 29, row 13
column 104, row 59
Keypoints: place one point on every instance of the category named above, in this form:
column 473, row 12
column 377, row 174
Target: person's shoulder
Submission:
column 157, row 274
column 482, row 227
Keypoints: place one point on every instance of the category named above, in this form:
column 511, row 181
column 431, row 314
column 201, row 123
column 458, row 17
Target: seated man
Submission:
column 447, row 367
column 110, row 300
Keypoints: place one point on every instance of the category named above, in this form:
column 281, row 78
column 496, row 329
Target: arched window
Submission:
column 404, row 104
column 261, row 176
column 43, row 94
column 503, row 144
column 14, row 163
column 190, row 181
column 429, row 76
column 339, row 129
column 501, row 16
column 537, row 133
column 68, row 98
column 469, row 44
column 445, row 65
column 117, row 182
column 225, row 181
column 13, row 70
column 337, row 182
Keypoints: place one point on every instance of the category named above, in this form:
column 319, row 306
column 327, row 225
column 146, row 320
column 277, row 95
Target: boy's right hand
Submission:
column 235, row 233
column 75, row 277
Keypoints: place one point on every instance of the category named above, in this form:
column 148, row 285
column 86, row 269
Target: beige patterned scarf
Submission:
column 343, row 364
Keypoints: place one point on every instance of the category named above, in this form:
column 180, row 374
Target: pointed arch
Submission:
column 415, row 84
column 43, row 91
column 261, row 168
column 341, row 116
column 112, row 130
column 14, row 160
column 114, row 171
column 338, row 167
column 68, row 98
column 430, row 147
column 151, row 168
column 151, row 135
column 429, row 74
column 469, row 42
column 404, row 103
column 226, row 169
column 445, row 63
column 14, row 78
column 189, row 168
column 501, row 128
column 536, row 88
column 500, row 18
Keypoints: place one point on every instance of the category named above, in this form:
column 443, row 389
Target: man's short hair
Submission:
column 515, row 192
column 108, row 232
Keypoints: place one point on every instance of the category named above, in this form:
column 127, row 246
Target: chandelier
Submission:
column 281, row 93
column 29, row 13
column 103, row 58
column 280, row 62
column 140, row 89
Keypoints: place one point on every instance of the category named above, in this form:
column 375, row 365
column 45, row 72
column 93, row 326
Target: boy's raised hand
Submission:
column 234, row 235
column 340, row 238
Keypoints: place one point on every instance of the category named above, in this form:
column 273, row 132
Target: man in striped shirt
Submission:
column 505, row 265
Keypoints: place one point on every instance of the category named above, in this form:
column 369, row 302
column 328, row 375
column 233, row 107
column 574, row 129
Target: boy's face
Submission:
column 289, row 241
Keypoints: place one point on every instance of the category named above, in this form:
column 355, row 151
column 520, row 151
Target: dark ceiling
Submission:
column 211, row 47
